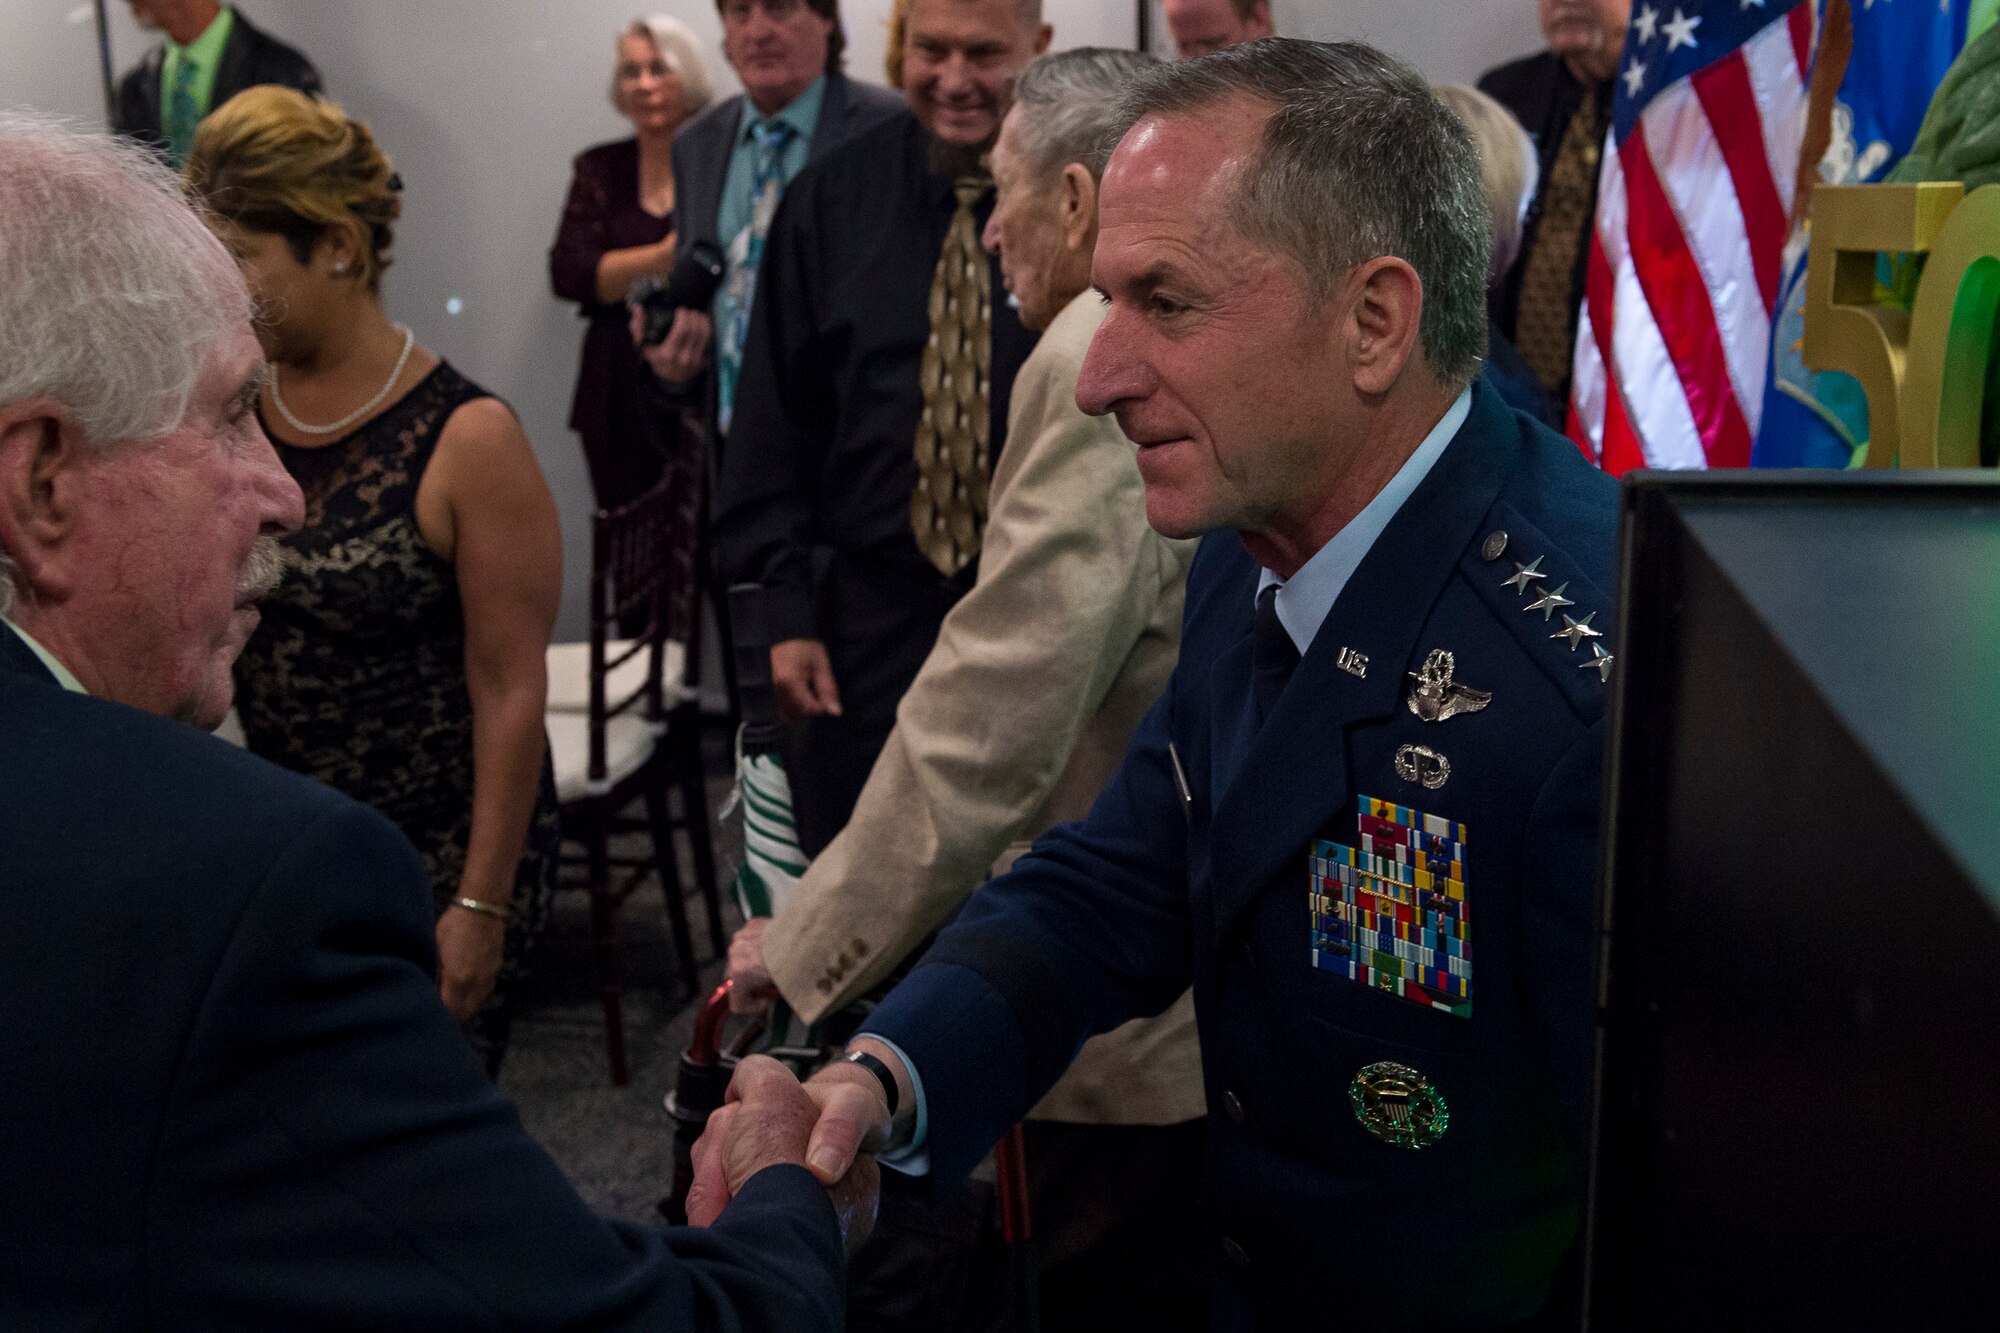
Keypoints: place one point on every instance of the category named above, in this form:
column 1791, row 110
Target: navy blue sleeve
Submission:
column 1088, row 930
column 336, row 1158
column 1560, row 930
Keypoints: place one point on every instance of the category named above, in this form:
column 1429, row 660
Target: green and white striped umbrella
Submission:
column 772, row 861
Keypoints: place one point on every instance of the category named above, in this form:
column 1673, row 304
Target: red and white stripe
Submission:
column 1673, row 340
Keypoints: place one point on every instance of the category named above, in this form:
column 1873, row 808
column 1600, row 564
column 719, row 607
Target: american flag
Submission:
column 1674, row 340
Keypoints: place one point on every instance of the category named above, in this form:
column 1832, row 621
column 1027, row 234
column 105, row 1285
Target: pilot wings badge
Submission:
column 1436, row 696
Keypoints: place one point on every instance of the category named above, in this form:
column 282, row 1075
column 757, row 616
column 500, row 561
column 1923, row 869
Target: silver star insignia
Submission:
column 1551, row 601
column 1599, row 659
column 1523, row 574
column 1576, row 631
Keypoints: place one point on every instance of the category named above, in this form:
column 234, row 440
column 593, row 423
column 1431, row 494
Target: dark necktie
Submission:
column 183, row 113
column 1272, row 654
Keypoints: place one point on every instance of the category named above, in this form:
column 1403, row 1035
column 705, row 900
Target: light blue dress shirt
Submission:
column 1304, row 602
column 1307, row 597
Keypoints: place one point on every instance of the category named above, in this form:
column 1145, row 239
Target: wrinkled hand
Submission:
column 470, row 945
column 755, row 988
column 853, row 1120
column 802, row 678
column 682, row 354
column 769, row 1120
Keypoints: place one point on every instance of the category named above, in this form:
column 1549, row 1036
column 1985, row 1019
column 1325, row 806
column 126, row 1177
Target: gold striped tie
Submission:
column 948, row 508
column 1545, row 318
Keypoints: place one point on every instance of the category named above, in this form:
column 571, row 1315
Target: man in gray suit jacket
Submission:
column 733, row 161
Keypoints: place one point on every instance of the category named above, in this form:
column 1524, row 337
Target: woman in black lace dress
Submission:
column 401, row 661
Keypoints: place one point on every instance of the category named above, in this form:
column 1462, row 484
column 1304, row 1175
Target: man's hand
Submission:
column 853, row 1118
column 802, row 678
column 768, row 1120
column 683, row 353
column 470, row 946
column 754, row 988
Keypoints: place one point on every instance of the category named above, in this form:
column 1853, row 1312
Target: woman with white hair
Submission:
column 1508, row 170
column 617, row 225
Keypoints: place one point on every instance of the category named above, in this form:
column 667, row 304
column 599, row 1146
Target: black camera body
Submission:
column 690, row 285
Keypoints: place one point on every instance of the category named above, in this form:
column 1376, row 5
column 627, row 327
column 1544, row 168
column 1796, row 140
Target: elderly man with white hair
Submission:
column 1069, row 634
column 233, row 1097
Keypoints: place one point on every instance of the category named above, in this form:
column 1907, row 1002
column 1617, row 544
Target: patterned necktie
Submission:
column 182, row 113
column 948, row 508
column 746, row 251
column 1545, row 319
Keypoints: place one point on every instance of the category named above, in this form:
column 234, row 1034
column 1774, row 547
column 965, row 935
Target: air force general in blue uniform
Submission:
column 1380, row 884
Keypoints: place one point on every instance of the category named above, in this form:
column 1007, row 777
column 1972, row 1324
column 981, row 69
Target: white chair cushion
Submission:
column 569, row 675
column 628, row 743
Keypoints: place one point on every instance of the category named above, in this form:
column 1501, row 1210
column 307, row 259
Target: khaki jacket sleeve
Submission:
column 1069, row 578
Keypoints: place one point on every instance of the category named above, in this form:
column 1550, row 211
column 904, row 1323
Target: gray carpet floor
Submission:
column 616, row 1144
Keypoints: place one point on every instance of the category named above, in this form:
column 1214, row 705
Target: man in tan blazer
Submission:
column 1019, row 716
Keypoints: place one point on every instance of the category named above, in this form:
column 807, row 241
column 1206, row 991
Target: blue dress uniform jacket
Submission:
column 232, row 1100
column 1319, row 1222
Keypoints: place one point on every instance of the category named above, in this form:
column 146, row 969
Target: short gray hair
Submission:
column 1071, row 108
column 115, row 293
column 1358, row 160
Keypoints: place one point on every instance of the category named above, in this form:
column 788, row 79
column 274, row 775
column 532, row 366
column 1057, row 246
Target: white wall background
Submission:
column 482, row 103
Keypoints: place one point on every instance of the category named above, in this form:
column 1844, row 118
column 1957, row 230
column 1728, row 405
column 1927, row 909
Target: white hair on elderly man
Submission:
column 115, row 292
column 1071, row 107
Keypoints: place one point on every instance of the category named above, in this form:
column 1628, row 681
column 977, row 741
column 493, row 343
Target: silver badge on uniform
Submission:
column 1436, row 696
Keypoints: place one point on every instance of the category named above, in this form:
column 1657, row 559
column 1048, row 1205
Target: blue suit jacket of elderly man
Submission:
column 232, row 1099
column 1319, row 1221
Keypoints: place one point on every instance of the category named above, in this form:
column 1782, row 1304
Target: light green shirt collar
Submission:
column 64, row 677
column 801, row 113
column 205, row 50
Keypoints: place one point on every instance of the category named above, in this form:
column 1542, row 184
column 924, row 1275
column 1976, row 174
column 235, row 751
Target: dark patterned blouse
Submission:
column 356, row 676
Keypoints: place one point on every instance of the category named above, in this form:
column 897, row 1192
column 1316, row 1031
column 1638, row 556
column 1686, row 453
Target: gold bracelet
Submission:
column 474, row 905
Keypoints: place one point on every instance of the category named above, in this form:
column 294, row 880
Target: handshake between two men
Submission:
column 832, row 1125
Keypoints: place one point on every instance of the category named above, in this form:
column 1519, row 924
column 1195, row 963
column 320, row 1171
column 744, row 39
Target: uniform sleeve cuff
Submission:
column 912, row 1158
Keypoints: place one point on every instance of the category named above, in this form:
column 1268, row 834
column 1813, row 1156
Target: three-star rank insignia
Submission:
column 1436, row 696
column 1398, row 1105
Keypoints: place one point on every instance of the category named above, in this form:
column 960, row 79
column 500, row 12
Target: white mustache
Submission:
column 263, row 570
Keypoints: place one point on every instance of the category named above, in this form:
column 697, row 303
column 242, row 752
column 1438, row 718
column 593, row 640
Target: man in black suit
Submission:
column 788, row 55
column 233, row 1099
column 1562, row 97
column 211, row 53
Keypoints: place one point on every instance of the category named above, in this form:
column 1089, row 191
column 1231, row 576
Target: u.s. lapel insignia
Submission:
column 1353, row 663
column 1422, row 765
column 1398, row 1105
column 1436, row 696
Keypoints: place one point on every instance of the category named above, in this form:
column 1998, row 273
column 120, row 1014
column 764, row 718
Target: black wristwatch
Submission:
column 883, row 1075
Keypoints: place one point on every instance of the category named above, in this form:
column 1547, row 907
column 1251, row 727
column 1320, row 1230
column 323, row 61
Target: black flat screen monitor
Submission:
column 1798, row 1109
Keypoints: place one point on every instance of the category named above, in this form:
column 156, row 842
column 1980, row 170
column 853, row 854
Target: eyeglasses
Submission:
column 739, row 11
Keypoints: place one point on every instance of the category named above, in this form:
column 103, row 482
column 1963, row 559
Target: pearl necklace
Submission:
column 278, row 399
